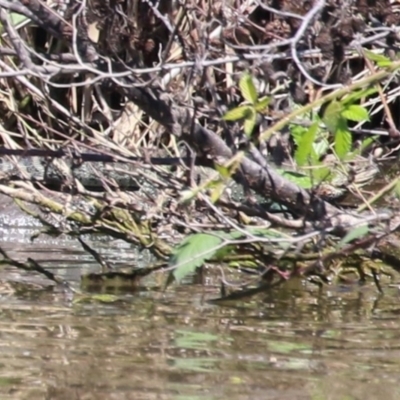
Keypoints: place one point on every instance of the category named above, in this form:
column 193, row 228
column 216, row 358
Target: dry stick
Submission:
column 102, row 262
column 32, row 265
column 386, row 189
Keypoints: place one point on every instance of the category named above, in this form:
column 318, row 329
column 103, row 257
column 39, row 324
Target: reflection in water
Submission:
column 291, row 344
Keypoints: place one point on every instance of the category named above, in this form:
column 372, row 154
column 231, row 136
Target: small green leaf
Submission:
column 248, row 89
column 343, row 139
column 321, row 146
column 17, row 19
column 355, row 113
column 217, row 192
column 297, row 132
column 305, row 152
column 384, row 63
column 378, row 58
column 321, row 174
column 225, row 172
column 262, row 104
column 188, row 195
column 250, row 123
column 368, row 141
column 354, row 234
column 332, row 116
column 298, row 178
column 192, row 252
column 237, row 113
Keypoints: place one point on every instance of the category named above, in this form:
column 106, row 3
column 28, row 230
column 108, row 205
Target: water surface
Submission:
column 297, row 343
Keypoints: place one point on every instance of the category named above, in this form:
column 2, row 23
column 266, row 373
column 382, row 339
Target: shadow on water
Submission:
column 296, row 343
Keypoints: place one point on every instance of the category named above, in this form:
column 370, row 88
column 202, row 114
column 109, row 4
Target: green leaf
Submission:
column 17, row 19
column 195, row 249
column 250, row 123
column 356, row 233
column 262, row 104
column 321, row 174
column 248, row 89
column 321, row 146
column 192, row 252
column 225, row 172
column 378, row 58
column 237, row 113
column 217, row 192
column 355, row 113
column 296, row 177
column 188, row 195
column 332, row 116
column 343, row 139
column 305, row 151
column 368, row 141
column 297, row 132
column 384, row 63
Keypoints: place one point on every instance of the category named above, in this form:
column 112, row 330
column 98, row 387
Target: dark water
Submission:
column 299, row 343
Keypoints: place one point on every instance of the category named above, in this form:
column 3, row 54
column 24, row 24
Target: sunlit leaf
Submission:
column 343, row 139
column 223, row 252
column 195, row 249
column 217, row 192
column 248, row 89
column 321, row 147
column 332, row 116
column 188, row 195
column 262, row 104
column 300, row 179
column 192, row 252
column 355, row 113
column 305, row 150
column 297, row 132
column 384, row 63
column 354, row 234
column 17, row 19
column 250, row 123
column 320, row 174
column 378, row 58
column 224, row 171
column 238, row 113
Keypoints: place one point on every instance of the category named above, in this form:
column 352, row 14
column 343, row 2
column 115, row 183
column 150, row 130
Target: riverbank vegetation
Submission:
column 263, row 135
